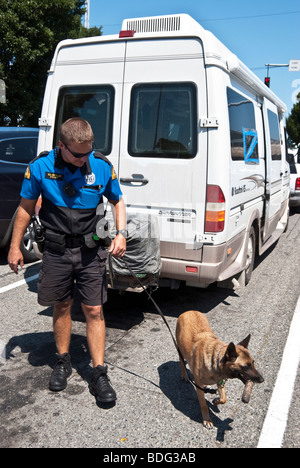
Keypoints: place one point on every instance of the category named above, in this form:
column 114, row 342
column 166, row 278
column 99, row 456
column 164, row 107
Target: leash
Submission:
column 205, row 390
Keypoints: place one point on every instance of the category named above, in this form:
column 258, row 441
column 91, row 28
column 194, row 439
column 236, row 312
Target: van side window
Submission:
column 18, row 150
column 274, row 136
column 243, row 134
column 163, row 120
column 92, row 103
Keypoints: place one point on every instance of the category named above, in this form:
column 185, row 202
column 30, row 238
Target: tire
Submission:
column 27, row 245
column 251, row 250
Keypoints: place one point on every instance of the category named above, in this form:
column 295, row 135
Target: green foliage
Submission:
column 30, row 31
column 293, row 123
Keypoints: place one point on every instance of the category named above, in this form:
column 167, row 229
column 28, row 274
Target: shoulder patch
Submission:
column 113, row 173
column 27, row 173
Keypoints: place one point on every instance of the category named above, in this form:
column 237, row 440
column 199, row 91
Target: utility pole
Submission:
column 87, row 14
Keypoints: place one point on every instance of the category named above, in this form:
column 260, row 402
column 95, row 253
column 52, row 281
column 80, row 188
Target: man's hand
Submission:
column 118, row 246
column 25, row 212
column 15, row 258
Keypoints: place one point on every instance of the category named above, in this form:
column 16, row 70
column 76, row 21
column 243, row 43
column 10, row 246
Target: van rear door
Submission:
column 162, row 167
column 274, row 169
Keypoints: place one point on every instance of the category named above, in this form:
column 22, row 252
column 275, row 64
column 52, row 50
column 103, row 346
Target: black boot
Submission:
column 100, row 385
column 60, row 373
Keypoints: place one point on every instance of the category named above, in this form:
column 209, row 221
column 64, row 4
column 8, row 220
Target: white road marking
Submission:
column 18, row 283
column 276, row 419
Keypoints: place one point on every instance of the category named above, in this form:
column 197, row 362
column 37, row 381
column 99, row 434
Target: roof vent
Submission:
column 152, row 25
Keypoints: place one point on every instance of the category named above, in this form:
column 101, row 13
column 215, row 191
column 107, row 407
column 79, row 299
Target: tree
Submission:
column 30, row 31
column 293, row 123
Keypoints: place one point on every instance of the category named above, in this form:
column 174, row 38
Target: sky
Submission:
column 258, row 32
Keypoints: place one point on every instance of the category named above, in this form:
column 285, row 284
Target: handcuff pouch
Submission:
column 55, row 241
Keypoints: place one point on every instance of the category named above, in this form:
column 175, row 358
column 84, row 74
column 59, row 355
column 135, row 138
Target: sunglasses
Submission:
column 78, row 155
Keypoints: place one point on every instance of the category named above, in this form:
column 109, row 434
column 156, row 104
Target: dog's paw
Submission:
column 208, row 424
column 218, row 401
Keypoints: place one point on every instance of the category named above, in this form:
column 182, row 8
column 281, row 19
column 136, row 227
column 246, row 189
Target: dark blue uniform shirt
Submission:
column 48, row 174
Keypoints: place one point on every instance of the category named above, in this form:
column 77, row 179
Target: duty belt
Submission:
column 59, row 242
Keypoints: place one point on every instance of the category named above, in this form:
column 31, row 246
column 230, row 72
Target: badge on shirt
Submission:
column 54, row 176
column 90, row 179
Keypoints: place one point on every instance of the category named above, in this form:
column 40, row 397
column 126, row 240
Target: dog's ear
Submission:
column 245, row 342
column 231, row 354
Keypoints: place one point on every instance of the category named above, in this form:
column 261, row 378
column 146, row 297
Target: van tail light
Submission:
column 191, row 269
column 297, row 185
column 215, row 209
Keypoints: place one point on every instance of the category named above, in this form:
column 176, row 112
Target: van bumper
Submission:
column 204, row 266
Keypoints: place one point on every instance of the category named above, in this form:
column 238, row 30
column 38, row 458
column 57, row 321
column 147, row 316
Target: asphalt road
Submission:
column 155, row 409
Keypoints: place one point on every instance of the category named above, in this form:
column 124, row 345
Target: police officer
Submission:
column 72, row 180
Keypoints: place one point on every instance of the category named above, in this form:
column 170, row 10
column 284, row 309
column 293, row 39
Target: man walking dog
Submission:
column 72, row 179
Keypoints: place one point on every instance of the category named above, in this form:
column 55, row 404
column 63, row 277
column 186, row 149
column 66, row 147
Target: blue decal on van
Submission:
column 250, row 141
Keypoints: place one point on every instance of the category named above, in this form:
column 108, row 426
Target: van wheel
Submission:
column 250, row 255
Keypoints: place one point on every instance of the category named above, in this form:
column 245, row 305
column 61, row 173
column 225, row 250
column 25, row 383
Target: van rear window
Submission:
column 274, row 136
column 163, row 120
column 243, row 134
column 92, row 103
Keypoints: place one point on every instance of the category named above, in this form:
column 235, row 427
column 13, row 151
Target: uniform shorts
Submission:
column 80, row 265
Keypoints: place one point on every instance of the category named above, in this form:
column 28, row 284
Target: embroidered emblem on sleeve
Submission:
column 27, row 173
column 113, row 173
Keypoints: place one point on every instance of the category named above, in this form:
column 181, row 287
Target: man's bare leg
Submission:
column 95, row 333
column 62, row 325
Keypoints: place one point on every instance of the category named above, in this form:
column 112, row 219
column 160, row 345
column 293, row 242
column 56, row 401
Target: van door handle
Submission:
column 133, row 180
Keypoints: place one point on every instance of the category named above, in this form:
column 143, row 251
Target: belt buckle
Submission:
column 73, row 242
column 77, row 241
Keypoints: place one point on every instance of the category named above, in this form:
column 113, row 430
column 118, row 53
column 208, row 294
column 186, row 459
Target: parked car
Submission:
column 18, row 146
column 294, row 160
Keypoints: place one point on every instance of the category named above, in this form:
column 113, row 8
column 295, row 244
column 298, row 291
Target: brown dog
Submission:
column 212, row 361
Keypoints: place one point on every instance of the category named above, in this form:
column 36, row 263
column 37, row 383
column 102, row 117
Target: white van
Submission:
column 196, row 138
